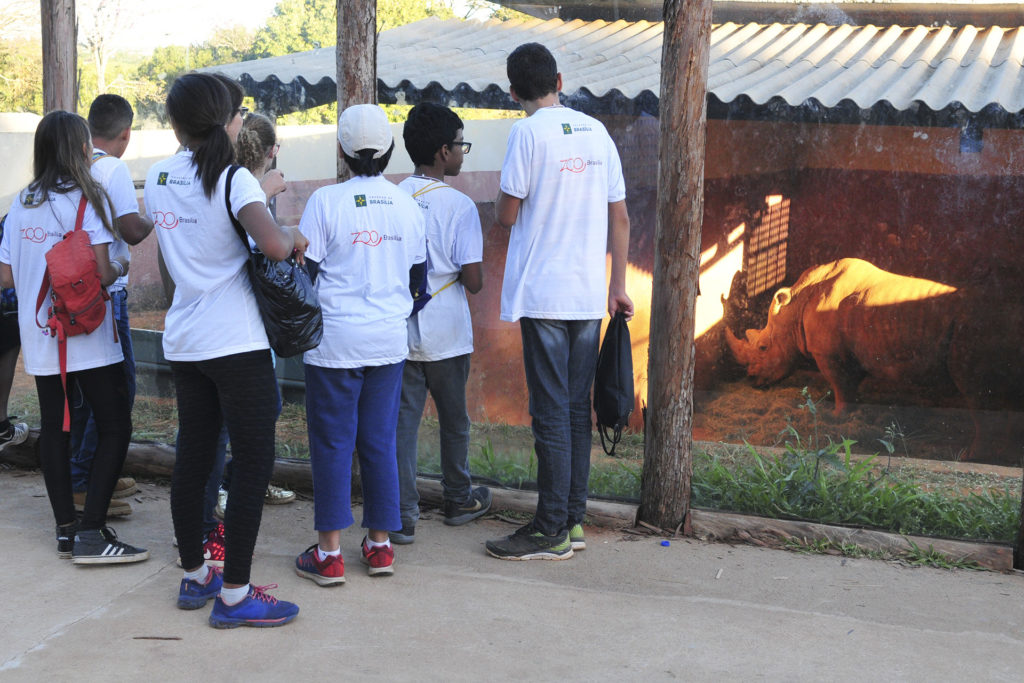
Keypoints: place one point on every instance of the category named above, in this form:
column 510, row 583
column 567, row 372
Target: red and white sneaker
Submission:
column 379, row 560
column 213, row 547
column 330, row 572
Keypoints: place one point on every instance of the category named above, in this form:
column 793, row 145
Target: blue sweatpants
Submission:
column 346, row 409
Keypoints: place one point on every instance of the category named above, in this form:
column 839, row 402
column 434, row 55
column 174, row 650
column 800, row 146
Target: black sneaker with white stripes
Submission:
column 100, row 546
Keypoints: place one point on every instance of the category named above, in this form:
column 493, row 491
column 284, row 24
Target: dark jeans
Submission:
column 560, row 357
column 83, row 424
column 106, row 389
column 238, row 390
column 446, row 382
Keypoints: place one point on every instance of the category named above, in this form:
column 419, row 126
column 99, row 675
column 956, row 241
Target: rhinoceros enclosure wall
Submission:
column 912, row 201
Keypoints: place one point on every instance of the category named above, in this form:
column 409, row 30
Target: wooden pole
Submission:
column 356, row 68
column 665, row 482
column 60, row 54
column 356, row 58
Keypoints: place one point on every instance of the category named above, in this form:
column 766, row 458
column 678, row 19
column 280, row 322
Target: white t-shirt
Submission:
column 444, row 328
column 214, row 311
column 565, row 168
column 113, row 175
column 31, row 230
column 366, row 234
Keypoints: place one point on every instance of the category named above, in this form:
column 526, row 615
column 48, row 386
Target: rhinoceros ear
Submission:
column 781, row 298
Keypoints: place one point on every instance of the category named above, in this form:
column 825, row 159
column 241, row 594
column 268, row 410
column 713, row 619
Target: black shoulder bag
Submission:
column 613, row 384
column 285, row 295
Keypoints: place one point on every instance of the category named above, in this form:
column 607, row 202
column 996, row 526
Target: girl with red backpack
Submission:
column 64, row 343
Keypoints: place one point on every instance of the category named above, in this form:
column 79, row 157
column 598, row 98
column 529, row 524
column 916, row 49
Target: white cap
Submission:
column 364, row 126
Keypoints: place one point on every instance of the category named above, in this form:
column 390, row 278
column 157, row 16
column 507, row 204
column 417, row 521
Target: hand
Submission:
column 300, row 246
column 620, row 301
column 273, row 183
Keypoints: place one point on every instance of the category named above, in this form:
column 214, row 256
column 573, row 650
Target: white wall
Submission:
column 307, row 152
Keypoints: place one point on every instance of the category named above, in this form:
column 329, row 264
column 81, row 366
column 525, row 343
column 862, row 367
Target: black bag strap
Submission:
column 232, row 169
column 609, row 442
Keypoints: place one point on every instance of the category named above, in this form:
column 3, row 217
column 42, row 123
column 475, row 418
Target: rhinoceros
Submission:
column 856, row 320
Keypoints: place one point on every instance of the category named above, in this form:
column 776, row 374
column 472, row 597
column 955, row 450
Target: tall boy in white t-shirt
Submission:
column 441, row 334
column 110, row 123
column 563, row 197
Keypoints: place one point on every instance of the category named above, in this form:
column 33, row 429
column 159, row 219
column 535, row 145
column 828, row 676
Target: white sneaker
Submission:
column 17, row 434
column 278, row 496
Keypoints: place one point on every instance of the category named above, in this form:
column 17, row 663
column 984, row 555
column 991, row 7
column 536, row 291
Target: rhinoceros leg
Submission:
column 844, row 376
column 998, row 436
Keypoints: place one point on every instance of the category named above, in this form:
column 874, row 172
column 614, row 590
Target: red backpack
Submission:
column 78, row 300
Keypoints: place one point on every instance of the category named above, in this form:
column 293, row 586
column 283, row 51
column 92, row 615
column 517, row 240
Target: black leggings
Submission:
column 241, row 390
column 106, row 390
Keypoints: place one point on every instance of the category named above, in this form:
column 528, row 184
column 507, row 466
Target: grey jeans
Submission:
column 446, row 382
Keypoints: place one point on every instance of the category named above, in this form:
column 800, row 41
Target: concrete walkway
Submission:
column 627, row 608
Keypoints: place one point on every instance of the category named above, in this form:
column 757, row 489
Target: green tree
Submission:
column 21, row 75
column 300, row 25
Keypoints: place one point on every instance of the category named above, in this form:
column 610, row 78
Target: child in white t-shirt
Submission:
column 367, row 237
column 62, row 193
column 110, row 122
column 441, row 335
column 216, row 344
column 563, row 198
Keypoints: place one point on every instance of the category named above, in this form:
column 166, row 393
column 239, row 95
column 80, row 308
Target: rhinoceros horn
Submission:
column 739, row 347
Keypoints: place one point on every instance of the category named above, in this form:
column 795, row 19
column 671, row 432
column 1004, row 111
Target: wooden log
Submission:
column 723, row 526
column 600, row 512
column 667, row 470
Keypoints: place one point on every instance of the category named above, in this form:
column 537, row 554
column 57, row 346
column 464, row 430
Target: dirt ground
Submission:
column 738, row 412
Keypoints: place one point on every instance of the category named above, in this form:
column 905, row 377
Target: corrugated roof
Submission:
column 795, row 63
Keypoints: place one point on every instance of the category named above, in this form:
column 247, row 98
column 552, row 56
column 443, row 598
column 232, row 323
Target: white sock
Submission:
column 233, row 596
column 370, row 543
column 199, row 575
column 322, row 554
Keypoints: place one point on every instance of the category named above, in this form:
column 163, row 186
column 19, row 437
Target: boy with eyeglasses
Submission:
column 563, row 198
column 441, row 334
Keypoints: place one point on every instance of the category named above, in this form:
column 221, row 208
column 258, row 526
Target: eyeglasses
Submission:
column 463, row 145
column 243, row 111
column 274, row 150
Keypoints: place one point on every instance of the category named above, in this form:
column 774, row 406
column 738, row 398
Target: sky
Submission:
column 177, row 22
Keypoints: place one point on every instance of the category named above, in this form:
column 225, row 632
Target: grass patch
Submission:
column 820, row 481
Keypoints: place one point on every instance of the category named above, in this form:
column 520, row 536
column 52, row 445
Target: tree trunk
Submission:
column 356, row 58
column 60, row 54
column 665, row 483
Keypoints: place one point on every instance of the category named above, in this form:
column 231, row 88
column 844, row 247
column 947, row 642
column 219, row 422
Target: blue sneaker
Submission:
column 193, row 595
column 258, row 608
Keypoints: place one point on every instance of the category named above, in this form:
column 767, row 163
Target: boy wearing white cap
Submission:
column 368, row 239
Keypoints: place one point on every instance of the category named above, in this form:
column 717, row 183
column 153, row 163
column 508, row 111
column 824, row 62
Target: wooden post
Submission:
column 356, row 64
column 665, row 482
column 60, row 54
column 356, row 57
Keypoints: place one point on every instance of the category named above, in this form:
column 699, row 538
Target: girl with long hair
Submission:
column 41, row 215
column 216, row 344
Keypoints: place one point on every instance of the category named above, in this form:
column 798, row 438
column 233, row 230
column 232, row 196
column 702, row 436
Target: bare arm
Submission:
column 276, row 242
column 618, row 245
column 506, row 210
column 134, row 227
column 472, row 277
column 6, row 276
column 108, row 273
column 273, row 184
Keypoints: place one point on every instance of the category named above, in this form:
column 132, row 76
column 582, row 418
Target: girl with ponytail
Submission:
column 216, row 344
column 41, row 215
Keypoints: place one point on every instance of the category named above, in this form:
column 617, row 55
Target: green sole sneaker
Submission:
column 576, row 538
column 529, row 544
